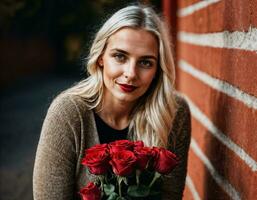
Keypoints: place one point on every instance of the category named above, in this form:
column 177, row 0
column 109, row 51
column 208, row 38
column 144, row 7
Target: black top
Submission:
column 108, row 134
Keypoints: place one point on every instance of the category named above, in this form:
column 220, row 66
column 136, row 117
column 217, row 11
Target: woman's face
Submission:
column 129, row 64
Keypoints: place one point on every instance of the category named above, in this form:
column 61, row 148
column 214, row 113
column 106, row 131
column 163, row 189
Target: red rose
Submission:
column 90, row 192
column 138, row 144
column 164, row 160
column 97, row 147
column 122, row 162
column 119, row 145
column 143, row 155
column 97, row 161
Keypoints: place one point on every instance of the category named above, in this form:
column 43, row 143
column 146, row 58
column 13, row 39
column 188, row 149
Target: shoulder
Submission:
column 181, row 126
column 182, row 118
column 67, row 105
column 182, row 105
column 67, row 99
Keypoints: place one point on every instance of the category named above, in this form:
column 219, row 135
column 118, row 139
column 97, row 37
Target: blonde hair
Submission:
column 151, row 120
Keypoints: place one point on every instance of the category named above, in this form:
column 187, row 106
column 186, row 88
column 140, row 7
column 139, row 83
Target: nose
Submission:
column 130, row 70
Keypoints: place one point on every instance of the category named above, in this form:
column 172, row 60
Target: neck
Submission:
column 115, row 113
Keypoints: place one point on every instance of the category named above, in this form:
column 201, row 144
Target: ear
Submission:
column 100, row 61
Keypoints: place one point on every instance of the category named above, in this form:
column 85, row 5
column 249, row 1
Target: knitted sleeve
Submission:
column 174, row 183
column 54, row 168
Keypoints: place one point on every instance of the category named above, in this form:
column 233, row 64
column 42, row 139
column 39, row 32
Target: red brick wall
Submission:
column 216, row 50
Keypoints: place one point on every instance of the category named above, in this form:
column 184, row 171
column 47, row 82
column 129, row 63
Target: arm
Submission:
column 174, row 183
column 55, row 163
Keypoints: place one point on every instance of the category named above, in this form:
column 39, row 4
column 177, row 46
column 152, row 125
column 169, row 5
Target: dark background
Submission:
column 43, row 46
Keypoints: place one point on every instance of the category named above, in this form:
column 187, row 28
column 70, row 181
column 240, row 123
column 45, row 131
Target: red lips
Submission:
column 127, row 88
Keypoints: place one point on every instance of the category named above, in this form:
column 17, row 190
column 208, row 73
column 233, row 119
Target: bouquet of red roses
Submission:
column 125, row 170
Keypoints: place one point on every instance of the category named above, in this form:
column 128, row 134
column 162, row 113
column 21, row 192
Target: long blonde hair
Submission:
column 152, row 118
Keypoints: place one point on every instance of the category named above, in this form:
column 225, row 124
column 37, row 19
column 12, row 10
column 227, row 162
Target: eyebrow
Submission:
column 126, row 53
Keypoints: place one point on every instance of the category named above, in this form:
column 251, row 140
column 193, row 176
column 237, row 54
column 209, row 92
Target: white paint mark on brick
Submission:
column 231, row 40
column 222, row 86
column 207, row 123
column 195, row 7
column 191, row 186
column 221, row 181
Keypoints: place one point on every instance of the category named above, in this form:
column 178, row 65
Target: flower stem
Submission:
column 138, row 172
column 120, row 190
column 156, row 176
column 101, row 179
column 119, row 183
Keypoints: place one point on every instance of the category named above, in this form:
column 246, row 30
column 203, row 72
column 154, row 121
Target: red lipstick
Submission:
column 127, row 88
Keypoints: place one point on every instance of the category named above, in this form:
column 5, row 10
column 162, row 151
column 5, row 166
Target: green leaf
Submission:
column 138, row 191
column 108, row 189
column 121, row 198
column 153, row 193
column 113, row 196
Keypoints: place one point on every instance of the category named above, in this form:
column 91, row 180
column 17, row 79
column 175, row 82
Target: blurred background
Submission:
column 43, row 47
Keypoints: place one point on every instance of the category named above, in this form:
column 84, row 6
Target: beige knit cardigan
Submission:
column 69, row 128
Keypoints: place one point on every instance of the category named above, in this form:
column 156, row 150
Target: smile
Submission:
column 127, row 88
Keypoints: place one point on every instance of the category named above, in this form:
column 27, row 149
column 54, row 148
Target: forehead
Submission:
column 134, row 41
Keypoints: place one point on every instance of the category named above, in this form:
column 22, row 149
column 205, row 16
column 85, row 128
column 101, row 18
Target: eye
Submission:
column 145, row 63
column 119, row 57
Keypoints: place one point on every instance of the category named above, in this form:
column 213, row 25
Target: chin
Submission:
column 126, row 97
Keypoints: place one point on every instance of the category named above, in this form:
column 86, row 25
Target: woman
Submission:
column 129, row 94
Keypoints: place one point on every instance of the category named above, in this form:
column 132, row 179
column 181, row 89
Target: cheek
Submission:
column 109, row 73
column 111, row 70
column 148, row 77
